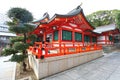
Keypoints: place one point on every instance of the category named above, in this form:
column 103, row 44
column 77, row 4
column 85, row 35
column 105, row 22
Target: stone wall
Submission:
column 52, row 65
column 110, row 48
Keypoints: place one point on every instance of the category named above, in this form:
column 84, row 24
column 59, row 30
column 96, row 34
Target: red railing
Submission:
column 56, row 49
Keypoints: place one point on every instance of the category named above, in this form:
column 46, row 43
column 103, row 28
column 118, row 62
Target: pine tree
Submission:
column 19, row 24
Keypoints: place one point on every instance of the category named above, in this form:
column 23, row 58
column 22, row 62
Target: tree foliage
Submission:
column 16, row 39
column 103, row 17
column 8, row 51
column 118, row 20
column 32, row 39
column 19, row 24
column 21, row 14
column 20, row 28
column 18, row 58
column 20, row 46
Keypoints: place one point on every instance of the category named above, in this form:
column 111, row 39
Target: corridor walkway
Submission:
column 104, row 68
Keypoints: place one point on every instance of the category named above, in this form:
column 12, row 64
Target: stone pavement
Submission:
column 104, row 68
column 7, row 69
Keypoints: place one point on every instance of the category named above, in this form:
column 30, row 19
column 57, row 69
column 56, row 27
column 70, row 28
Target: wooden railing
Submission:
column 43, row 50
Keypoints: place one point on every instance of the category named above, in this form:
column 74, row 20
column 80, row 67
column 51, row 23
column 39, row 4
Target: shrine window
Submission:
column 67, row 35
column 39, row 39
column 116, row 40
column 87, row 38
column 55, row 35
column 110, row 38
column 94, row 39
column 78, row 36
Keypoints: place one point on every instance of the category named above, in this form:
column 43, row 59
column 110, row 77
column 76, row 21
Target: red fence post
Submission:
column 95, row 47
column 39, row 53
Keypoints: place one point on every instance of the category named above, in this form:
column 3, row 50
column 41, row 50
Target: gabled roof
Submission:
column 70, row 14
column 74, row 16
column 105, row 28
column 46, row 15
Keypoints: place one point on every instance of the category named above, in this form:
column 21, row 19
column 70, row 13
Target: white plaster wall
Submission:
column 100, row 42
column 101, row 38
column 107, row 37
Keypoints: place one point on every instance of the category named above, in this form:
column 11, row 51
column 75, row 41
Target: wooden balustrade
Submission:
column 55, row 49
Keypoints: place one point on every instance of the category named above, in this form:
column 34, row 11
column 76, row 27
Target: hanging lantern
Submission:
column 54, row 27
column 41, row 32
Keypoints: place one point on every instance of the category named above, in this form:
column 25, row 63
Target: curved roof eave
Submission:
column 70, row 14
column 46, row 15
column 87, row 20
column 73, row 12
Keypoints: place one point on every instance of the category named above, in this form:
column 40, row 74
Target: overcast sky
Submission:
column 39, row 7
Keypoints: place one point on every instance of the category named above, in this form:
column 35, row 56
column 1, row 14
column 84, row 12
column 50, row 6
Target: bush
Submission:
column 18, row 58
column 32, row 37
column 8, row 51
column 20, row 46
column 17, row 39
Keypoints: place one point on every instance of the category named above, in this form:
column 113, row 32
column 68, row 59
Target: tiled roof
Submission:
column 105, row 28
column 71, row 13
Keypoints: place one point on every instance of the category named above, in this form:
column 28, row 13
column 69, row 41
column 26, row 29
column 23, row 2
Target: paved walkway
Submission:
column 105, row 68
column 7, row 69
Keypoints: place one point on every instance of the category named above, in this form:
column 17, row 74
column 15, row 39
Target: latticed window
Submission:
column 78, row 36
column 110, row 38
column 66, row 35
column 55, row 35
column 116, row 40
column 94, row 39
column 87, row 38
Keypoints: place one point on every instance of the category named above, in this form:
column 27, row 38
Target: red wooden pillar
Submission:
column 44, row 36
column 105, row 39
column 96, row 40
column 73, row 37
column 83, row 38
column 60, row 35
column 113, row 40
column 60, row 38
column 90, row 39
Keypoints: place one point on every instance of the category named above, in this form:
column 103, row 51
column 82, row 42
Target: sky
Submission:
column 39, row 7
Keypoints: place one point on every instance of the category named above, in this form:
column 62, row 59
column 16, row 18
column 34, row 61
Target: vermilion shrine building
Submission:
column 108, row 34
column 67, row 34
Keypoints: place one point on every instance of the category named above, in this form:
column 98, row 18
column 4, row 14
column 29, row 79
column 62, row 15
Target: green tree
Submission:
column 118, row 20
column 103, row 17
column 21, row 14
column 19, row 24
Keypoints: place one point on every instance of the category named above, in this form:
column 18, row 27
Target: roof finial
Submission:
column 81, row 4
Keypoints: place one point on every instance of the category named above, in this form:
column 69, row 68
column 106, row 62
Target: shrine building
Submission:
column 64, row 34
column 108, row 34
